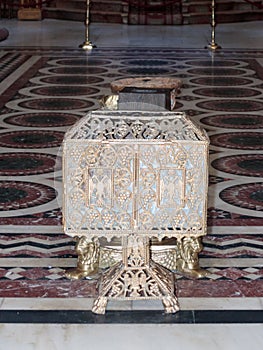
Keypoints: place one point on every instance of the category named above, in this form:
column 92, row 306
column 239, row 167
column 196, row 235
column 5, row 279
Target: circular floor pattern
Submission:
column 179, row 105
column 227, row 92
column 145, row 71
column 42, row 119
column 216, row 71
column 89, row 61
column 77, row 70
column 16, row 195
column 221, row 81
column 151, row 62
column 242, row 164
column 64, row 90
column 238, row 140
column 105, row 85
column 212, row 63
column 22, row 164
column 71, row 80
column 55, row 104
column 4, row 33
column 231, row 105
column 235, row 121
column 31, row 139
column 248, row 196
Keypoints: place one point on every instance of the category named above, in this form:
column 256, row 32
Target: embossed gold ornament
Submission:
column 181, row 257
column 88, row 259
column 109, row 102
column 135, row 176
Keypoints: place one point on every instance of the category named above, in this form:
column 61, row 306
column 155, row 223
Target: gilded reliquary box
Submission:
column 135, row 171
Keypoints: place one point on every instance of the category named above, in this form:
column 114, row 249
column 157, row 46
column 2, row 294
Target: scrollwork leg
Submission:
column 170, row 304
column 99, row 306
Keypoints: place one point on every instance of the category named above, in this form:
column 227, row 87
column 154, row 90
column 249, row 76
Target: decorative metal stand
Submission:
column 87, row 45
column 137, row 277
column 135, row 176
column 213, row 45
column 181, row 257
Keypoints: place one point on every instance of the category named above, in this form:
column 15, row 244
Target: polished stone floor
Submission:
column 47, row 85
column 70, row 34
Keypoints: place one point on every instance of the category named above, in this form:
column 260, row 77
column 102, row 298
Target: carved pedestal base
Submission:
column 181, row 257
column 137, row 277
column 134, row 283
column 132, row 274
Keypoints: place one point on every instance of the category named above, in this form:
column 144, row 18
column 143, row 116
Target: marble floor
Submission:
column 47, row 84
column 51, row 33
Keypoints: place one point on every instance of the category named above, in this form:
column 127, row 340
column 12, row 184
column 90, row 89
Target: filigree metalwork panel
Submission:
column 135, row 175
column 172, row 185
column 143, row 171
column 157, row 188
column 99, row 195
column 116, row 125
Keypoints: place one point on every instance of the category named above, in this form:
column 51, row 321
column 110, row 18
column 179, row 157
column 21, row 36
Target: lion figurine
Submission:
column 88, row 259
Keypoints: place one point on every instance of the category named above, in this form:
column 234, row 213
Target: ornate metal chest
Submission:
column 137, row 176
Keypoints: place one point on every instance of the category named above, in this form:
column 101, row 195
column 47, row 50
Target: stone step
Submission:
column 220, row 5
column 107, row 17
column 155, row 19
column 223, row 17
column 155, row 13
column 64, row 14
column 118, row 11
column 95, row 5
column 80, row 15
column 71, row 4
column 107, row 5
column 100, row 11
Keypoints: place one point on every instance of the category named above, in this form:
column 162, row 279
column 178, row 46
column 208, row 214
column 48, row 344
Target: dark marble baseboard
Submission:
column 131, row 317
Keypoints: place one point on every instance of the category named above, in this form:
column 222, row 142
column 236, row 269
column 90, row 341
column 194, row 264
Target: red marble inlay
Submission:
column 222, row 289
column 88, row 289
column 48, row 289
column 231, row 273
